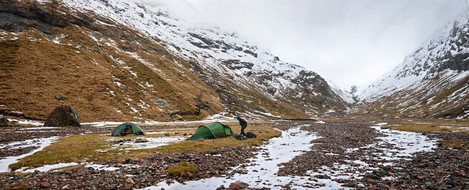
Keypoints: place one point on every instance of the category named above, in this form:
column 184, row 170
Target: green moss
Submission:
column 181, row 168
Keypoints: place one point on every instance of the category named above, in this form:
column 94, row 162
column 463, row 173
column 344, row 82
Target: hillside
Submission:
column 433, row 81
column 132, row 61
column 106, row 71
column 246, row 76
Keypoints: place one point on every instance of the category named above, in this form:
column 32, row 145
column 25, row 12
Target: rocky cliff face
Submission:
column 131, row 60
column 431, row 82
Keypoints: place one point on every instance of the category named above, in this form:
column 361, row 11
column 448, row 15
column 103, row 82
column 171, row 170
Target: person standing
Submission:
column 243, row 124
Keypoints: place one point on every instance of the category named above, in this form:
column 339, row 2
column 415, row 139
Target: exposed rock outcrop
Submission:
column 63, row 116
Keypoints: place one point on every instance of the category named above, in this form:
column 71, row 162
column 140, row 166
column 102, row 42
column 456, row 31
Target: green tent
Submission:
column 212, row 131
column 127, row 128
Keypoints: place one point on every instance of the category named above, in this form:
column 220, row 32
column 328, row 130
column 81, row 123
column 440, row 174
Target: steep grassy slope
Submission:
column 104, row 70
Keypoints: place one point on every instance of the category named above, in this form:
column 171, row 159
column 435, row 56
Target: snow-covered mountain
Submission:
column 345, row 95
column 433, row 81
column 224, row 60
column 142, row 62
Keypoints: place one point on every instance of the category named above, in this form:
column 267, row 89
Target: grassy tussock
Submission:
column 181, row 168
column 417, row 128
column 456, row 144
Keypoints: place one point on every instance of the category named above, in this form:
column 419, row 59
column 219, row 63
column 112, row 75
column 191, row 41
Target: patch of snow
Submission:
column 266, row 114
column 41, row 128
column 47, row 168
column 148, row 84
column 103, row 123
column 102, row 167
column 57, row 39
column 27, row 122
column 152, row 143
column 42, row 143
column 405, row 143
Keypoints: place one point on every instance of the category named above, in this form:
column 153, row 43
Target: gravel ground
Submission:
column 443, row 168
column 134, row 173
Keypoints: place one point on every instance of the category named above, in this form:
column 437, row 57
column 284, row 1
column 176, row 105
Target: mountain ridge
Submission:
column 143, row 76
column 431, row 82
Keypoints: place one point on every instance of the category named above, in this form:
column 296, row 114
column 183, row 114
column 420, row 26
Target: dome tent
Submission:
column 212, row 131
column 126, row 129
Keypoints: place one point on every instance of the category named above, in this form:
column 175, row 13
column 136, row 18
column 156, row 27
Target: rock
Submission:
column 238, row 185
column 4, row 122
column 60, row 97
column 62, row 116
column 250, row 135
column 234, row 186
column 141, row 140
column 129, row 181
column 325, row 176
column 44, row 185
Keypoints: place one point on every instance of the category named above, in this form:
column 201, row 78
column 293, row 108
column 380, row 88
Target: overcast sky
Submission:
column 350, row 42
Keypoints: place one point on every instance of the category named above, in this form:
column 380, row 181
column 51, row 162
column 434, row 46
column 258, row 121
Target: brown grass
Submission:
column 429, row 125
column 33, row 72
column 456, row 144
column 263, row 134
column 79, row 148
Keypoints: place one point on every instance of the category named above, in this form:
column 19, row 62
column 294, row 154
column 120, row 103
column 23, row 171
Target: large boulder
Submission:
column 3, row 122
column 62, row 116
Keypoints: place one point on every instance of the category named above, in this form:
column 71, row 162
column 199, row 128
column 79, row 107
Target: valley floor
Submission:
column 308, row 154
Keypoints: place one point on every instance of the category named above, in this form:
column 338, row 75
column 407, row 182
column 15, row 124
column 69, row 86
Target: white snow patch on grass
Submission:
column 47, row 168
column 132, row 145
column 27, row 122
column 103, row 123
column 42, row 142
column 102, row 167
